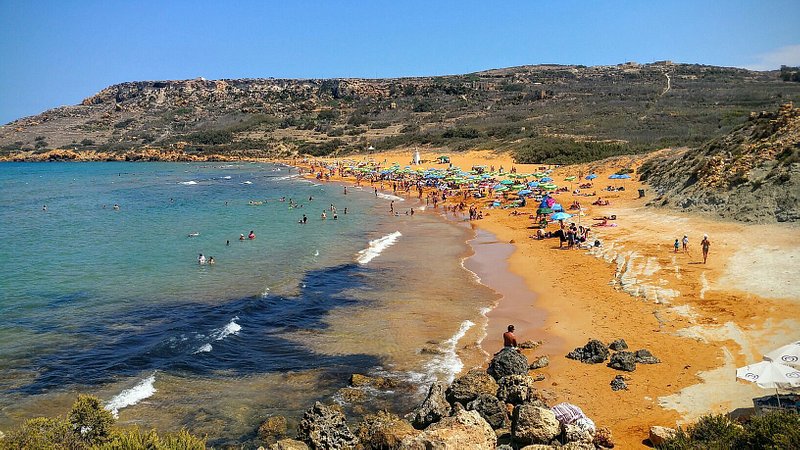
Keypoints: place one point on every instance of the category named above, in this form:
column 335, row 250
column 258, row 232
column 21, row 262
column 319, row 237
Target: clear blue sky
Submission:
column 58, row 52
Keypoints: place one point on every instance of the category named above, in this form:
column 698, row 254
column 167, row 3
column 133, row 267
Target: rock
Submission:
column 575, row 433
column 530, row 344
column 325, row 427
column 358, row 380
column 644, row 356
column 594, row 352
column 384, row 430
column 289, row 444
column 534, row 425
column 603, row 438
column 618, row 345
column 658, row 435
column 469, row 386
column 618, row 383
column 580, row 445
column 432, row 409
column 504, row 447
column 466, row 429
column 491, row 408
column 540, row 362
column 352, row 395
column 516, row 389
column 538, row 447
column 623, row 361
column 272, row 428
column 508, row 361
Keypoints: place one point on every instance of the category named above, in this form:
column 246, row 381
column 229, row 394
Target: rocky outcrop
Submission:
column 492, row 409
column 659, row 435
column 623, row 361
column 466, row 388
column 289, row 444
column 516, row 389
column 644, row 356
column 432, row 409
column 272, row 428
column 594, row 352
column 534, row 425
column 325, row 427
column 539, row 363
column 359, row 380
column 384, row 430
column 618, row 345
column 603, row 438
column 466, row 429
column 618, row 383
column 508, row 361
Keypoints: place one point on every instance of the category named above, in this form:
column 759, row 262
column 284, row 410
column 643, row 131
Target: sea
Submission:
column 101, row 293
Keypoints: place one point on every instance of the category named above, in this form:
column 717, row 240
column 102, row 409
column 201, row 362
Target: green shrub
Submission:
column 135, row 439
column 123, row 123
column 210, row 137
column 89, row 420
column 42, row 433
column 773, row 430
column 776, row 430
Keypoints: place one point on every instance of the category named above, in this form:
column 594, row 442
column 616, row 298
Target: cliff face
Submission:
column 751, row 174
column 649, row 106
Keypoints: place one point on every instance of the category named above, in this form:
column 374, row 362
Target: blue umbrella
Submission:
column 533, row 184
column 613, row 177
column 560, row 216
column 557, row 207
column 546, row 179
column 525, row 192
column 624, row 176
column 591, row 176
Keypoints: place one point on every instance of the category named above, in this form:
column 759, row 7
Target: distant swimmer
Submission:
column 412, row 211
column 509, row 340
column 211, row 260
column 241, row 237
column 195, row 234
column 305, row 219
column 324, row 216
column 116, row 207
column 251, row 235
column 335, row 216
column 310, row 198
column 345, row 211
column 44, row 208
column 345, row 190
column 376, row 192
column 227, row 243
column 201, row 259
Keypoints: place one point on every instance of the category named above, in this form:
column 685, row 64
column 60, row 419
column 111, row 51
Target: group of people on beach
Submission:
column 705, row 245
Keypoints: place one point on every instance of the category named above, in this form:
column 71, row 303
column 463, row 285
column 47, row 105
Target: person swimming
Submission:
column 201, row 259
column 241, row 237
column 211, row 260
column 251, row 235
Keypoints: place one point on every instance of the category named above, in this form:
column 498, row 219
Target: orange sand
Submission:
column 702, row 321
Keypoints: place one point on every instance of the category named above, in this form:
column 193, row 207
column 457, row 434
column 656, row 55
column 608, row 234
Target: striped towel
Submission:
column 567, row 413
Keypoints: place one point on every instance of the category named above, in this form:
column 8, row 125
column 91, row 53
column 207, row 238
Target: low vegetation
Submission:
column 776, row 430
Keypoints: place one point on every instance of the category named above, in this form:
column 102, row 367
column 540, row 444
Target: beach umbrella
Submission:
column 533, row 184
column 557, row 207
column 771, row 375
column 560, row 216
column 544, row 211
column 624, row 176
column 525, row 192
column 547, row 179
column 788, row 354
column 591, row 176
column 613, row 177
column 506, row 182
column 572, row 178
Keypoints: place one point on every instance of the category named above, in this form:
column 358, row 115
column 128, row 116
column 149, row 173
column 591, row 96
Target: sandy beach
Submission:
column 701, row 320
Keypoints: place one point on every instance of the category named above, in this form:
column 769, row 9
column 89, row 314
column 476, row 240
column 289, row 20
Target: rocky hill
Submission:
column 751, row 174
column 626, row 108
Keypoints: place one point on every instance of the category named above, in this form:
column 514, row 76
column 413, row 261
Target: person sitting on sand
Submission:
column 509, row 340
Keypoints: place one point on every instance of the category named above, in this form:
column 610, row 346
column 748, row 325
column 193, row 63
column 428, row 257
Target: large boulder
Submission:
column 384, row 430
column 288, row 444
column 658, row 435
column 466, row 429
column 466, row 388
column 644, row 356
column 533, row 425
column 516, row 389
column 325, row 427
column 508, row 361
column 432, row 409
column 576, row 433
column 594, row 352
column 272, row 428
column 623, row 361
column 603, row 438
column 492, row 409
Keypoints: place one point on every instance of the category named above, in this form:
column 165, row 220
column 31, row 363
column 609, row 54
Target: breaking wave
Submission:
column 376, row 247
column 132, row 396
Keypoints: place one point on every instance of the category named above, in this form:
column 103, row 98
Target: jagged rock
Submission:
column 271, row 428
column 325, row 427
column 530, row 344
column 359, row 380
column 603, row 438
column 289, row 444
column 534, row 425
column 384, row 430
column 432, row 409
column 466, row 429
column 576, row 433
column 644, row 356
column 508, row 361
column 618, row 345
column 618, row 383
column 352, row 395
column 623, row 361
column 467, row 387
column 516, row 389
column 540, row 362
column 660, row 434
column 594, row 352
column 491, row 408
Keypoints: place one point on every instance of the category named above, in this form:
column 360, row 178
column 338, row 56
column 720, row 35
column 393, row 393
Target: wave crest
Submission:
column 377, row 246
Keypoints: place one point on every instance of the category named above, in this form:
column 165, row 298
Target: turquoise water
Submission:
column 113, row 301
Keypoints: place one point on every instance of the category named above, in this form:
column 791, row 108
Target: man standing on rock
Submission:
column 509, row 340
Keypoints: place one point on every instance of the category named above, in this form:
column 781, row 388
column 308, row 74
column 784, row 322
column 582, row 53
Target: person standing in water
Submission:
column 509, row 340
column 201, row 259
column 705, row 243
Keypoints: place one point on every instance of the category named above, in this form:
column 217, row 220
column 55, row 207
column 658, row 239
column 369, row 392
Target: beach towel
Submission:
column 567, row 413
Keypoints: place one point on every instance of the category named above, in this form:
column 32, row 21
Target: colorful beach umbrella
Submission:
column 572, row 178
column 591, row 176
column 560, row 216
column 544, row 211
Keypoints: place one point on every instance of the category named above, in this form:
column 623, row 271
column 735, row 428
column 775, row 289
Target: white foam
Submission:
column 448, row 364
column 132, row 396
column 376, row 247
column 232, row 328
column 228, row 177
column 204, row 349
column 247, row 182
column 188, row 183
column 390, row 197
column 316, row 253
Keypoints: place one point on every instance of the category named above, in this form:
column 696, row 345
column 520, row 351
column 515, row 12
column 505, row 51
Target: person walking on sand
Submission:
column 705, row 243
column 677, row 245
column 509, row 340
column 685, row 242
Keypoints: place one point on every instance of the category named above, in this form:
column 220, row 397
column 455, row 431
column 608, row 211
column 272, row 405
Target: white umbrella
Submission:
column 788, row 354
column 770, row 375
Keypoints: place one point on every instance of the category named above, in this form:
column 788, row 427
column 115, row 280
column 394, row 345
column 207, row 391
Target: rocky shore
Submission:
column 503, row 407
column 151, row 155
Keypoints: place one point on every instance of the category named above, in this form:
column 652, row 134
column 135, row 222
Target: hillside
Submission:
column 540, row 112
column 751, row 174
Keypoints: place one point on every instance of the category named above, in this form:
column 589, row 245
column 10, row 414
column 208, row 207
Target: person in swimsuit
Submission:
column 509, row 340
column 705, row 243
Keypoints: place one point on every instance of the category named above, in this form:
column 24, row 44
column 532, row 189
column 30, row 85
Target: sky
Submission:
column 55, row 53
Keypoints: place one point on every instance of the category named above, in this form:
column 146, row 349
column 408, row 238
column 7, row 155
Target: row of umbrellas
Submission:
column 780, row 369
